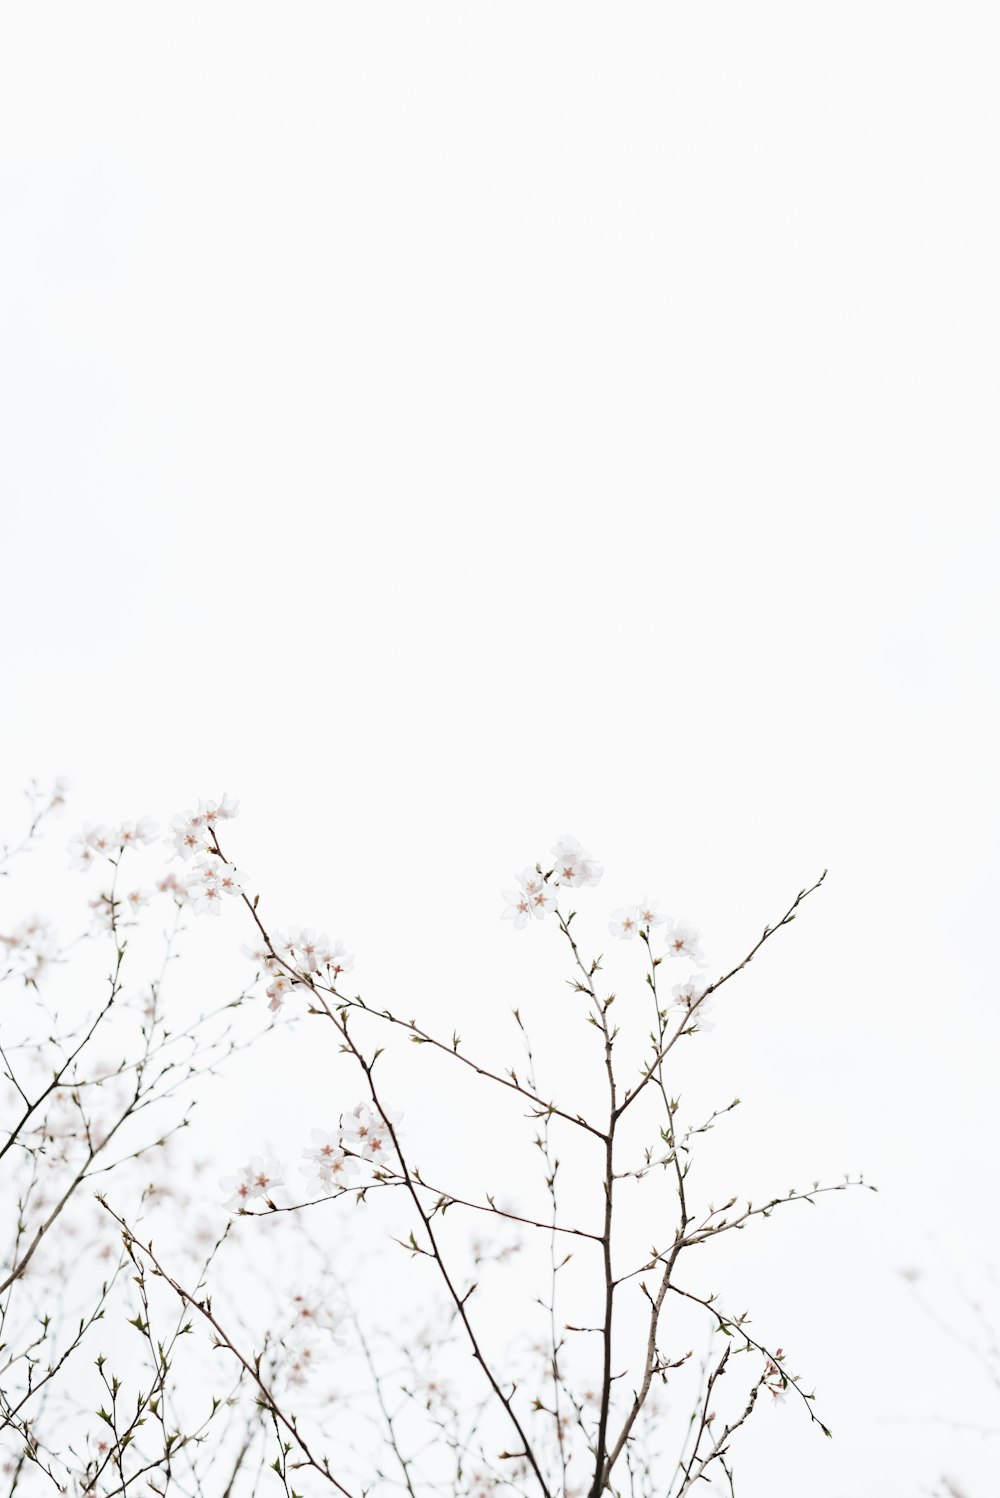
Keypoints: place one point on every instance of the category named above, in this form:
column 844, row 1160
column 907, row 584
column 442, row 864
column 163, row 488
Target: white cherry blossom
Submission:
column 339, row 960
column 169, row 884
column 210, row 880
column 624, row 922
column 81, row 854
column 188, row 834
column 258, row 953
column 278, row 989
column 689, row 996
column 101, row 839
column 573, row 864
column 517, row 908
column 306, row 949
column 218, row 811
column 132, row 834
column 255, row 1182
column 366, row 1133
column 534, row 898
column 650, row 915
column 327, row 1162
column 683, row 941
column 31, row 946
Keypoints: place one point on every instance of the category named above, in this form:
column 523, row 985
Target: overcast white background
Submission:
column 446, row 426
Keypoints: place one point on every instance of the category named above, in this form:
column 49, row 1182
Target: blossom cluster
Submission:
column 255, row 1182
column 295, row 957
column 212, row 878
column 30, row 946
column 332, row 1159
column 681, row 939
column 191, row 831
column 363, row 1136
column 190, row 837
column 99, row 841
column 573, row 867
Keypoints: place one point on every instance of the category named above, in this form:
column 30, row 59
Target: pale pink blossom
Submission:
column 517, row 908
column 57, row 797
column 101, row 839
column 169, row 884
column 188, row 834
column 573, row 864
column 218, row 811
column 258, row 953
column 689, row 996
column 136, row 899
column 650, row 915
column 255, row 1182
column 683, row 941
column 624, row 922
column 366, row 1133
column 211, row 879
column 534, row 898
column 132, row 834
column 327, row 1162
column 205, row 896
column 81, row 854
column 278, row 989
column 339, row 960
column 306, row 949
column 31, row 946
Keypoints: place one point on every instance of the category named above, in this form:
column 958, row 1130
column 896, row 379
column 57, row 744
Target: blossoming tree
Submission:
column 542, row 1349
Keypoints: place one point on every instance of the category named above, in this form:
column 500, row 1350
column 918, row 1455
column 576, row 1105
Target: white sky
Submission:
column 445, row 426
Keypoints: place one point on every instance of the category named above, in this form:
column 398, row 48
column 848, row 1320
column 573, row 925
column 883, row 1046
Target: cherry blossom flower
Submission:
column 258, row 953
column 136, row 899
column 573, row 865
column 131, row 834
column 366, row 1133
column 255, row 1182
column 306, row 949
column 279, row 986
column 534, row 898
column 311, row 953
column 81, row 854
column 169, row 884
column 57, row 797
column 339, row 960
column 31, row 947
column 92, row 843
column 266, row 1175
column 218, row 811
column 624, row 922
column 238, row 1189
column 689, row 996
column 210, row 879
column 683, row 941
column 517, row 909
column 205, row 896
column 327, row 1161
column 649, row 914
column 188, row 834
